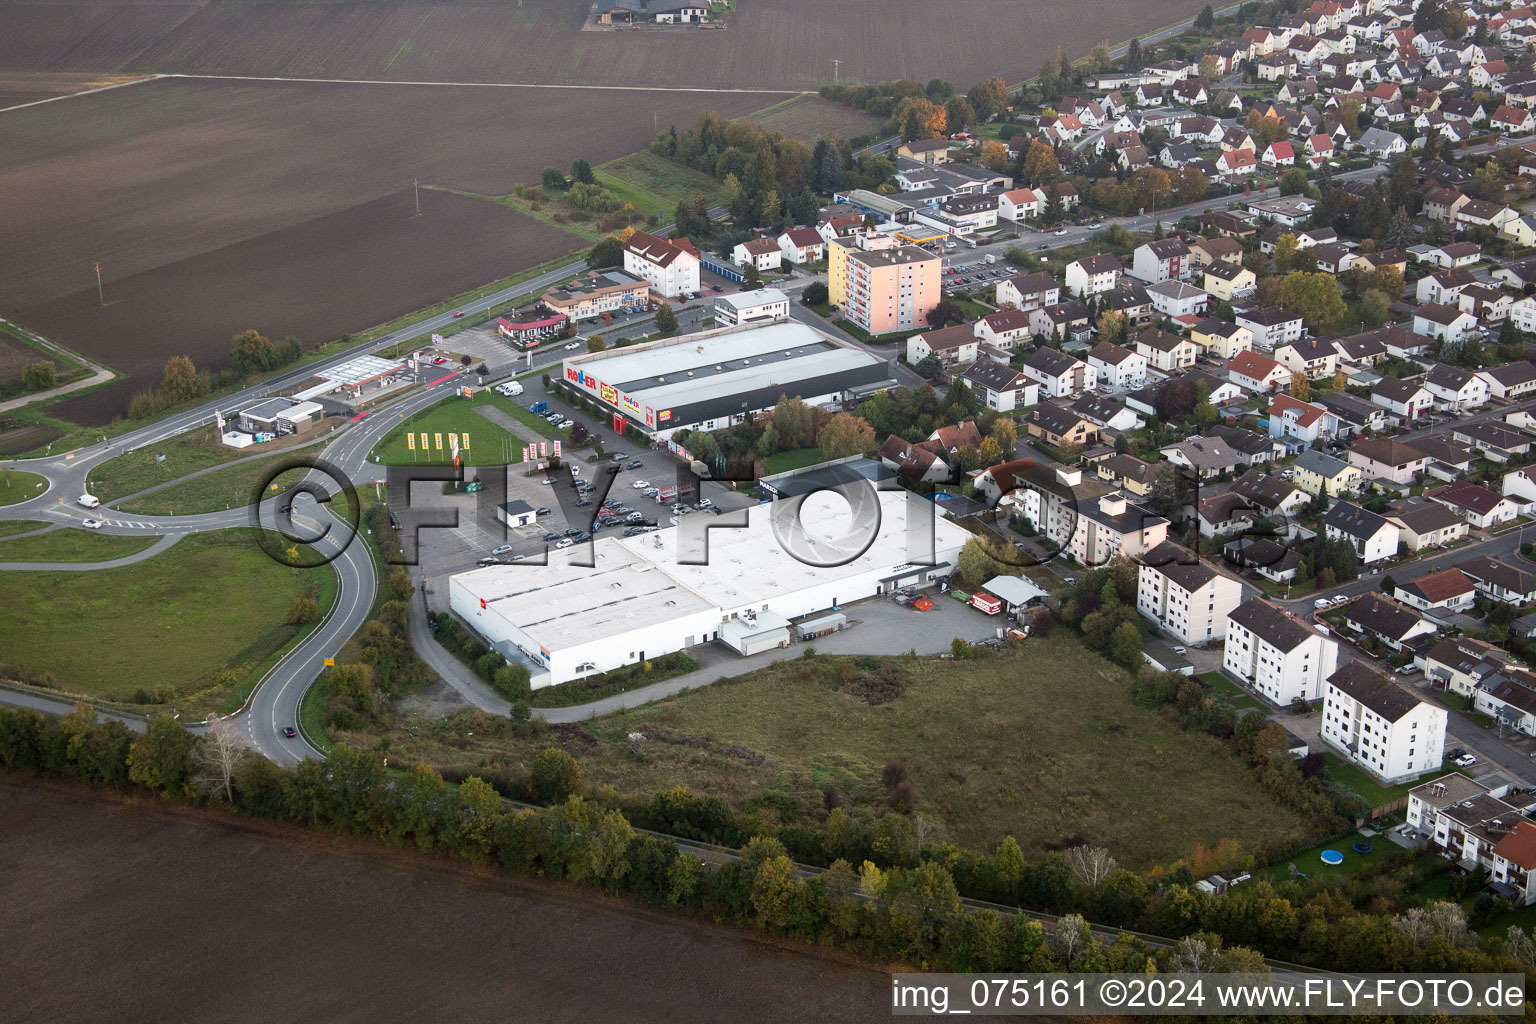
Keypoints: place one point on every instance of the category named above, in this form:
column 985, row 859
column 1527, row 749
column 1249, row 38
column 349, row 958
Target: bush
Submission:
column 303, row 611
column 39, row 376
column 511, row 681
column 553, row 775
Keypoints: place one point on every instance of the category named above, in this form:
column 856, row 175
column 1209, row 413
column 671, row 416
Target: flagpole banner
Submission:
column 543, row 449
column 410, row 441
column 438, row 439
column 465, row 441
column 424, row 445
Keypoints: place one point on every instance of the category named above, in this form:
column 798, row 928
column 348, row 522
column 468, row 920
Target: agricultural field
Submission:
column 811, row 118
column 774, row 44
column 17, row 87
column 1042, row 743
column 193, row 623
column 216, row 207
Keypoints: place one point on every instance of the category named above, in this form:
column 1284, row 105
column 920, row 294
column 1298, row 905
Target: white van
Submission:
column 89, row 501
column 514, row 388
column 991, row 257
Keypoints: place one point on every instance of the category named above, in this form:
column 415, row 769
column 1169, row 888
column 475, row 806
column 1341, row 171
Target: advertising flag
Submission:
column 464, row 440
column 543, row 449
column 438, row 441
column 557, row 449
column 424, row 445
column 410, row 441
column 525, row 453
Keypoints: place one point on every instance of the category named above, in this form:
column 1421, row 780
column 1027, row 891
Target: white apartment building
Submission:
column 1380, row 726
column 671, row 267
column 1185, row 596
column 1276, row 653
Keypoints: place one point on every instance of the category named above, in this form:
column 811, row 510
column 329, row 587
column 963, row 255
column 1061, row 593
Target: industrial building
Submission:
column 764, row 305
column 638, row 600
column 717, row 378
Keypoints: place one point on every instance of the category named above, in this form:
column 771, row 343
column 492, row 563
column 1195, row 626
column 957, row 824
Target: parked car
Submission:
column 551, row 536
column 565, row 543
column 640, row 485
column 539, row 513
column 572, row 532
column 439, row 361
column 501, row 549
column 488, row 561
column 538, row 407
column 633, row 464
column 1455, row 752
column 634, row 517
column 1322, row 602
column 572, row 346
column 1465, row 761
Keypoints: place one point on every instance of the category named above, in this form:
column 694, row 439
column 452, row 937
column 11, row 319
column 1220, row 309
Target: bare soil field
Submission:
column 318, row 279
column 18, row 87
column 811, row 118
column 783, row 44
column 220, row 206
column 190, row 917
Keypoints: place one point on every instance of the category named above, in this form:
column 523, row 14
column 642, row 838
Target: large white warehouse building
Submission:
column 640, row 601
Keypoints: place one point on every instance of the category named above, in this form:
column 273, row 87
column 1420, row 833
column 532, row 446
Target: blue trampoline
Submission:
column 1333, row 857
column 1361, row 847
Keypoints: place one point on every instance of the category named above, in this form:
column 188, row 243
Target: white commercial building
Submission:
column 639, row 600
column 671, row 266
column 718, row 378
column 762, row 306
column 1276, row 653
column 1380, row 726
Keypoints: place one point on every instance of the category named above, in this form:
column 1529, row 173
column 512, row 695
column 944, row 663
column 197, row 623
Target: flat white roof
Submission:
column 638, row 582
column 562, row 605
column 359, row 370
column 750, row 566
column 752, row 299
column 693, row 353
column 767, row 373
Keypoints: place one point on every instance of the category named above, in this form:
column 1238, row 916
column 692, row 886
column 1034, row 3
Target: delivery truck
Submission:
column 987, row 603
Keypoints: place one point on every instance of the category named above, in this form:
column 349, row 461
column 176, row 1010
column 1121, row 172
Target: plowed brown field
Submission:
column 220, row 206
column 784, row 44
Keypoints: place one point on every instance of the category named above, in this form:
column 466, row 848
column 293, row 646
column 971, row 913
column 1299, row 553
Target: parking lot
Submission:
column 976, row 274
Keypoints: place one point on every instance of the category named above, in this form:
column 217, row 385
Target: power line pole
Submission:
column 416, row 187
column 837, row 66
column 99, row 296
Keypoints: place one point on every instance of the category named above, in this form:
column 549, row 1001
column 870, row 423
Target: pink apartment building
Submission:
column 891, row 290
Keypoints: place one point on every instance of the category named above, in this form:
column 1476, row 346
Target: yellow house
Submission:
column 1522, row 230
column 1220, row 339
column 1228, row 282
column 1317, row 473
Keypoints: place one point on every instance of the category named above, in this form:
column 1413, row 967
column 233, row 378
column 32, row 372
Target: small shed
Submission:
column 1163, row 658
column 755, row 632
column 812, row 628
column 516, row 513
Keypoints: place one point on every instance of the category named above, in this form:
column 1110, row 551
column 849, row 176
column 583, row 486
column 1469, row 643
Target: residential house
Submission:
column 1162, row 259
column 1380, row 726
column 1006, row 478
column 1107, row 413
column 1500, row 580
column 763, row 253
column 1028, row 291
column 802, row 245
column 1497, row 442
column 1312, row 357
column 1107, row 526
column 954, row 346
column 1165, row 351
column 1205, row 251
column 1057, row 426
column 1355, row 414
column 1178, row 299
column 1221, row 340
column 1443, row 286
column 1258, row 373
column 1208, row 456
column 1265, row 556
column 1448, row 590
column 1404, row 399
column 1299, row 424
column 1460, row 664
column 1228, row 282
column 1066, row 321
column 1318, row 473
column 1117, row 368
column 1455, row 388
column 1383, row 458
column 1058, row 374
column 1270, row 494
column 1185, row 596
column 1271, row 326
column 1004, row 329
column 1396, row 626
column 998, row 386
column 1372, row 536
column 1277, row 654
column 1362, row 350
column 1094, row 275
column 1428, row 524
column 920, row 461
column 1481, row 507
column 1127, row 472
column 1510, row 380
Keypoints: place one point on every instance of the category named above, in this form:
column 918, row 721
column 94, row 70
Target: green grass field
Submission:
column 489, row 444
column 174, row 623
column 11, row 527
column 1042, row 743
column 16, row 486
column 1361, row 782
column 71, row 546
column 230, row 487
column 783, row 462
column 651, row 183
column 185, row 453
